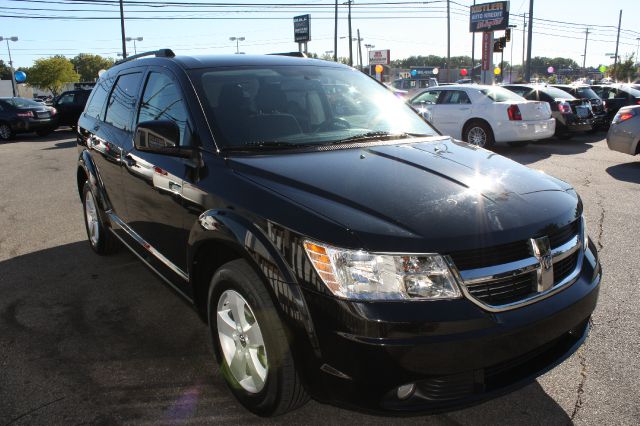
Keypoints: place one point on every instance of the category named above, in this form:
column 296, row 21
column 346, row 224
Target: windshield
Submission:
column 23, row 103
column 499, row 94
column 586, row 93
column 556, row 93
column 301, row 106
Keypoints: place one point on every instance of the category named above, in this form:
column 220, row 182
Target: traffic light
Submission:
column 499, row 44
column 507, row 35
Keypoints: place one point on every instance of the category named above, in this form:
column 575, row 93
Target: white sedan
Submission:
column 483, row 115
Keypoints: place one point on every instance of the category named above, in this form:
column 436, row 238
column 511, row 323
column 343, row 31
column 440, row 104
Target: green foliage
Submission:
column 52, row 73
column 625, row 70
column 88, row 65
column 432, row 61
column 5, row 71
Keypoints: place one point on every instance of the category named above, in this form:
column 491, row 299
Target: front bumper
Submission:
column 454, row 352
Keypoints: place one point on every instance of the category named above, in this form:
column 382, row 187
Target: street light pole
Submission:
column 527, row 76
column 584, row 60
column 350, row 36
column 237, row 40
column 134, row 39
column 13, row 76
column 511, row 60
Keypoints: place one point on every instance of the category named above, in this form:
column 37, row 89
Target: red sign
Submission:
column 487, row 50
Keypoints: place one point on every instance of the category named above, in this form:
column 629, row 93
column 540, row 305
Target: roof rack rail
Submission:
column 294, row 54
column 160, row 53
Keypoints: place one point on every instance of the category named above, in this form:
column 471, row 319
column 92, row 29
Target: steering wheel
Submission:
column 334, row 123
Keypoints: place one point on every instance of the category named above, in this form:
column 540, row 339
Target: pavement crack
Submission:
column 580, row 391
column 46, row 404
column 600, row 223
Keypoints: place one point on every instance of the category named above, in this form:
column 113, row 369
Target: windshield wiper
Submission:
column 377, row 136
column 257, row 145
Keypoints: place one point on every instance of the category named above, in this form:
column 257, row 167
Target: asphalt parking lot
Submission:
column 99, row 340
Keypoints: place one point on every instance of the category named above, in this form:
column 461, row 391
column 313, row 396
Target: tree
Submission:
column 5, row 71
column 88, row 65
column 624, row 70
column 52, row 73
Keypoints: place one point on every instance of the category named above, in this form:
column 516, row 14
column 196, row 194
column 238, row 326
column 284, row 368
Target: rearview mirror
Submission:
column 160, row 137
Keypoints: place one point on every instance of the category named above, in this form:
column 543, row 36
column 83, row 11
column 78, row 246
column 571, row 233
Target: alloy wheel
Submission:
column 477, row 136
column 91, row 214
column 241, row 341
column 5, row 131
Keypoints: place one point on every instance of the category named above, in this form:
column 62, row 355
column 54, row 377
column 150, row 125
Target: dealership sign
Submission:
column 379, row 57
column 489, row 17
column 302, row 28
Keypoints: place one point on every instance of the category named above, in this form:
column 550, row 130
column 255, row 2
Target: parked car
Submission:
column 617, row 96
column 70, row 105
column 359, row 257
column 414, row 85
column 572, row 115
column 20, row 115
column 624, row 133
column 601, row 118
column 483, row 115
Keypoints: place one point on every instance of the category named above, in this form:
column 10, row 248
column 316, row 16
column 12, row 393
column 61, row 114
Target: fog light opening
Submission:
column 405, row 391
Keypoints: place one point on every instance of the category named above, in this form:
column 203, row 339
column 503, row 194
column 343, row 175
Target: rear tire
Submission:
column 478, row 133
column 98, row 233
column 6, row 133
column 264, row 378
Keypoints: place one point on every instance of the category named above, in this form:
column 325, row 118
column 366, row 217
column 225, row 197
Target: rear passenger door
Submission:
column 154, row 182
column 452, row 111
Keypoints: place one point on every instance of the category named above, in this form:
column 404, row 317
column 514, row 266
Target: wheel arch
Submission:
column 88, row 170
column 476, row 119
column 219, row 236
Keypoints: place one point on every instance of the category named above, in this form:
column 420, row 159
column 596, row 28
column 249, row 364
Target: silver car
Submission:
column 624, row 133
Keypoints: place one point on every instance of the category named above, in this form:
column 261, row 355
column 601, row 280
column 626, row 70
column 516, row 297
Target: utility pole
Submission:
column 473, row 49
column 448, row 40
column 527, row 76
column 524, row 34
column 584, row 60
column 615, row 61
column 124, row 44
column 350, row 36
column 359, row 49
column 335, row 36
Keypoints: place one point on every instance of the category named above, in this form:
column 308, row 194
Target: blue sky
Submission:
column 416, row 29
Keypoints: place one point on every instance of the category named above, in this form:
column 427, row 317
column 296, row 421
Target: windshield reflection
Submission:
column 281, row 106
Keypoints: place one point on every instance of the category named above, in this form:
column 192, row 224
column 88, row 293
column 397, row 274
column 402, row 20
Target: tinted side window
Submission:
column 162, row 100
column 456, row 97
column 99, row 95
column 68, row 98
column 122, row 102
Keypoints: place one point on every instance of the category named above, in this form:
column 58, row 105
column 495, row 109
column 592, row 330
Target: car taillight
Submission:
column 564, row 107
column 624, row 115
column 53, row 111
column 638, row 102
column 25, row 114
column 514, row 113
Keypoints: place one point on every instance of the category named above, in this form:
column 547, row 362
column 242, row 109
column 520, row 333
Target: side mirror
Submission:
column 160, row 137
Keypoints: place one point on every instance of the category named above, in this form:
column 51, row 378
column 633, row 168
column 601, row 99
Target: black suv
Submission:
column 353, row 255
column 70, row 105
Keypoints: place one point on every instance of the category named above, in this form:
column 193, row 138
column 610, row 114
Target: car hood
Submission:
column 425, row 195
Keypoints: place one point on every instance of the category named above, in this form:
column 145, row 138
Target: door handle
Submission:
column 465, row 109
column 175, row 187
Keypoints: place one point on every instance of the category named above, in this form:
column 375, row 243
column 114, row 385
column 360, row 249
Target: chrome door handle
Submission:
column 465, row 109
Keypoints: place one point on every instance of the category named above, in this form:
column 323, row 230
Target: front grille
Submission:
column 563, row 268
column 511, row 252
column 505, row 290
column 515, row 288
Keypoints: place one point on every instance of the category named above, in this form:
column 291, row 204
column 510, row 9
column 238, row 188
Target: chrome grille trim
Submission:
column 470, row 277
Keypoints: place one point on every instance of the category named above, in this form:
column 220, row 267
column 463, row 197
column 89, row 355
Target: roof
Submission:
column 210, row 61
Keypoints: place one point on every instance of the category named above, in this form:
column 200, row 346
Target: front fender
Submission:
column 227, row 227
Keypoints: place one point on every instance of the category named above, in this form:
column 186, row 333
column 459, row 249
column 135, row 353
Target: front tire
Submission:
column 479, row 133
column 251, row 343
column 100, row 238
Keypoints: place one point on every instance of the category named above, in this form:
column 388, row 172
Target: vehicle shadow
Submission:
column 91, row 339
column 56, row 135
column 539, row 150
column 628, row 172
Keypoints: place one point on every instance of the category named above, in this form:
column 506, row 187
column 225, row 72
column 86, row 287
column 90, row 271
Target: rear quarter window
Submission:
column 122, row 102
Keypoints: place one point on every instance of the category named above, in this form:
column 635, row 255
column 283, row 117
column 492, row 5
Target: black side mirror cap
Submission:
column 160, row 137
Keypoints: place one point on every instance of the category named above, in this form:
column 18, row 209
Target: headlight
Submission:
column 585, row 236
column 360, row 275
